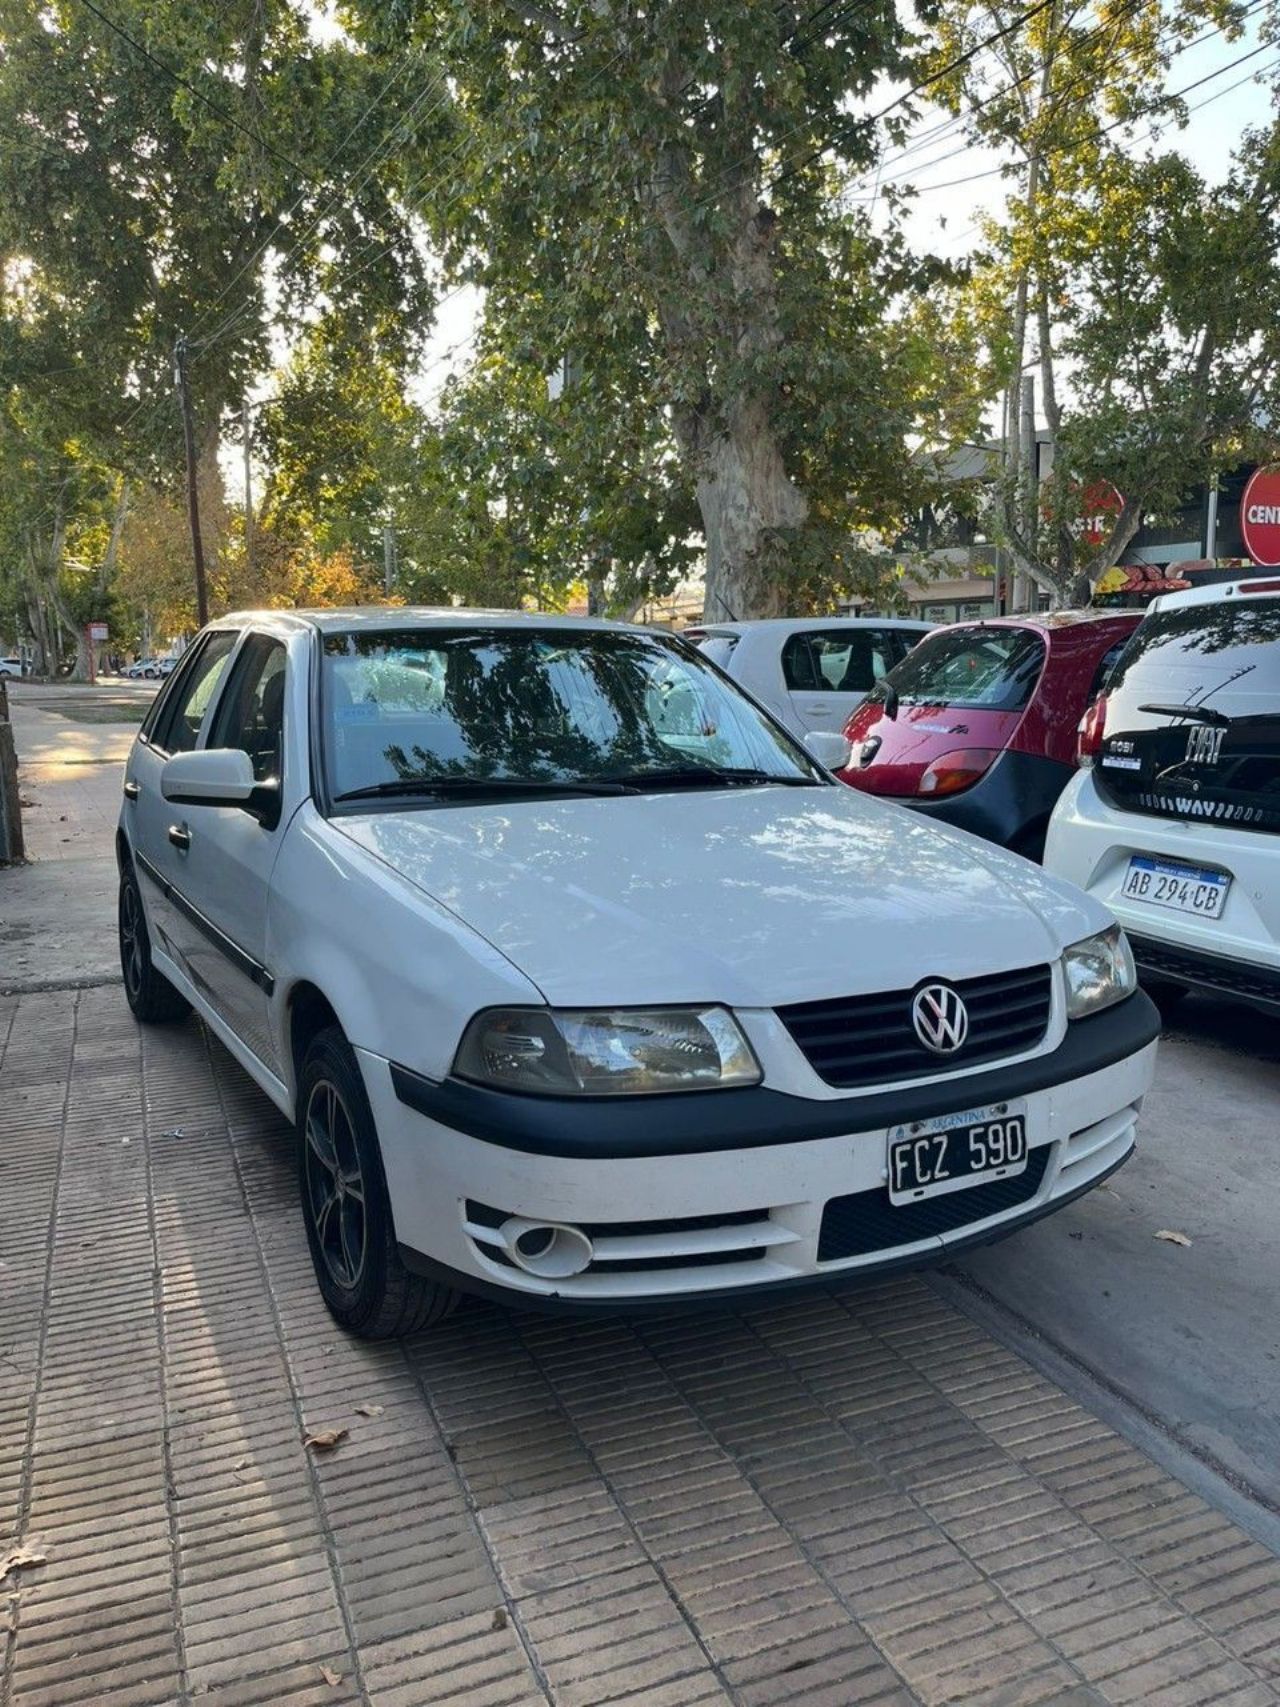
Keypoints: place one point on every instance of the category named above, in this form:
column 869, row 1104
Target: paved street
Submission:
column 875, row 1496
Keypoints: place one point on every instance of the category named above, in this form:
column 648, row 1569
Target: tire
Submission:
column 345, row 1205
column 151, row 997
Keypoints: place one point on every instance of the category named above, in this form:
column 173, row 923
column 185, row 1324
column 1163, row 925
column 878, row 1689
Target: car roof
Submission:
column 797, row 624
column 1212, row 595
column 372, row 619
column 1052, row 621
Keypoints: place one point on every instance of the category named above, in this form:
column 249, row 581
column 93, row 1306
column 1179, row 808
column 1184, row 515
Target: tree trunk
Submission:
column 748, row 504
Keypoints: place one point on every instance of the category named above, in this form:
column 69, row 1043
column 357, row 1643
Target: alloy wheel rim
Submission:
column 131, row 939
column 334, row 1184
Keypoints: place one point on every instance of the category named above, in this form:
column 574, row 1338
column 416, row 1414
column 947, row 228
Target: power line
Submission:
column 1105, row 130
column 1008, row 88
column 352, row 180
column 185, row 83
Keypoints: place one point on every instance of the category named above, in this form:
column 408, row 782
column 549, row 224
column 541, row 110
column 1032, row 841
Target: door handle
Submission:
column 131, row 790
column 180, row 836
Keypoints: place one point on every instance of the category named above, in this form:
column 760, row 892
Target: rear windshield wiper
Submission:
column 705, row 776
column 443, row 785
column 1193, row 713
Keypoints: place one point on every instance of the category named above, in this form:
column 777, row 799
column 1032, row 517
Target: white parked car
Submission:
column 1174, row 823
column 147, row 669
column 584, row 983
column 10, row 666
column 811, row 672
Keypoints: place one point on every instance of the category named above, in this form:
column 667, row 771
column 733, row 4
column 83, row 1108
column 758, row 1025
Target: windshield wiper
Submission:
column 444, row 785
column 1193, row 713
column 706, row 776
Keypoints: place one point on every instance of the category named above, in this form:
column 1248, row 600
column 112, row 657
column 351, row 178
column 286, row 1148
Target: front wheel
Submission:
column 149, row 993
column 346, row 1207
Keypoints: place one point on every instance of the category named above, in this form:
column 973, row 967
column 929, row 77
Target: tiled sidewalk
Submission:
column 835, row 1500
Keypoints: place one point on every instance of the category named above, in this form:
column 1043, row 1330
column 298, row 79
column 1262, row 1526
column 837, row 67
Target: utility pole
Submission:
column 248, row 486
column 388, row 557
column 193, row 497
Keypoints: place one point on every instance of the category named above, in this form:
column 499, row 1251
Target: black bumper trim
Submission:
column 1221, row 974
column 831, row 1277
column 691, row 1123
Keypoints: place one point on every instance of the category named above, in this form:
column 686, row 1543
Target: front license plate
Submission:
column 931, row 1157
column 1182, row 888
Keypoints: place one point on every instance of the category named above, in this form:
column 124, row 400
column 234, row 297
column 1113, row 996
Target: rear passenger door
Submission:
column 151, row 824
column 231, row 851
column 829, row 672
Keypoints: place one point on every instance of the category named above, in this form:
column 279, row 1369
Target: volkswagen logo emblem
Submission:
column 940, row 1018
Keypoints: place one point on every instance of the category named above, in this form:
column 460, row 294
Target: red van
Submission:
column 977, row 725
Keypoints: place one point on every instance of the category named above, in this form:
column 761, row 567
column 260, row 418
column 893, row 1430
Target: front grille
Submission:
column 1232, row 977
column 866, row 1221
column 870, row 1040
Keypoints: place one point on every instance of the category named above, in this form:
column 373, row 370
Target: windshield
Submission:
column 543, row 706
column 995, row 669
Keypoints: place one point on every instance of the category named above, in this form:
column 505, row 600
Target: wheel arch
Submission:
column 308, row 1012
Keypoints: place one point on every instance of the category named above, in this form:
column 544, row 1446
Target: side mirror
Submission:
column 218, row 776
column 831, row 750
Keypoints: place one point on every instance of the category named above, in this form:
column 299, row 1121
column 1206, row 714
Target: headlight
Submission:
column 623, row 1052
column 1099, row 971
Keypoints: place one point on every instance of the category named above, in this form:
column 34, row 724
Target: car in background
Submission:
column 977, row 726
column 810, row 672
column 144, row 669
column 11, row 667
column 1174, row 819
column 586, row 986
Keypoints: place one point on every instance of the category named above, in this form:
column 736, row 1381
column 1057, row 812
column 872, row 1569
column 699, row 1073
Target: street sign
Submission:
column 1260, row 516
column 98, row 631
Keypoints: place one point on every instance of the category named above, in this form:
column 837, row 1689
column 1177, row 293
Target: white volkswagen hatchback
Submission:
column 585, row 983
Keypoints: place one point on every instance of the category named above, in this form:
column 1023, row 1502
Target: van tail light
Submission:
column 1091, row 729
column 953, row 772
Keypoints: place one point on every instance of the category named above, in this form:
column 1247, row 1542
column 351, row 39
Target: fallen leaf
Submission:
column 500, row 1619
column 243, row 1463
column 370, row 1410
column 1171, row 1238
column 174, row 1132
column 20, row 1559
column 324, row 1439
column 331, row 1677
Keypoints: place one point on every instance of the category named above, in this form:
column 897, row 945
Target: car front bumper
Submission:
column 678, row 1222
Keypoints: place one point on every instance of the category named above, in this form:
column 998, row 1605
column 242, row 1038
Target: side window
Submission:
column 179, row 724
column 251, row 715
column 1105, row 665
column 850, row 660
column 799, row 666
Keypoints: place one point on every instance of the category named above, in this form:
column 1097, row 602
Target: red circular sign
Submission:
column 1260, row 516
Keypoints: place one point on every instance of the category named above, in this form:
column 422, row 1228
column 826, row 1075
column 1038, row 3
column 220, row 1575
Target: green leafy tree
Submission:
column 652, row 194
column 1137, row 299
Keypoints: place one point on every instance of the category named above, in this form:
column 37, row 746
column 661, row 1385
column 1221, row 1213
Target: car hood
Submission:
column 753, row 897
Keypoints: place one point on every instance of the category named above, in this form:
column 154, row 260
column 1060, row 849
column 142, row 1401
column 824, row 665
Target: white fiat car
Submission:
column 1174, row 821
column 584, row 983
